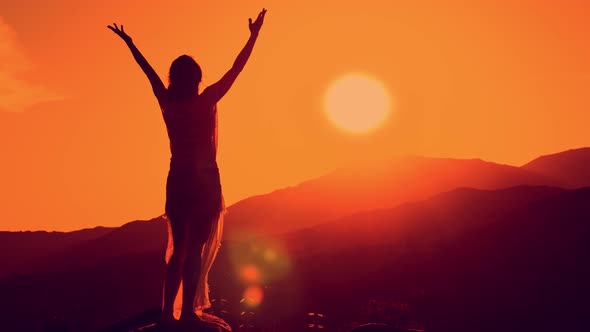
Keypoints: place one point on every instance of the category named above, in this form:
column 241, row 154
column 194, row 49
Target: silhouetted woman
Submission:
column 194, row 202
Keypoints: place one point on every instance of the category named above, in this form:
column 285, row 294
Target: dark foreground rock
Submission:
column 145, row 322
column 376, row 328
column 209, row 323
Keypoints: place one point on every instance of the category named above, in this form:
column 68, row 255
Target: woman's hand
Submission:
column 155, row 81
column 121, row 32
column 255, row 27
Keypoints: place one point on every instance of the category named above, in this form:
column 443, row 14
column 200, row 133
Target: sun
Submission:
column 357, row 103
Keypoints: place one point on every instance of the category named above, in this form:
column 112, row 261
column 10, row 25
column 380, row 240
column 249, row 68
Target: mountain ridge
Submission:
column 569, row 166
column 462, row 259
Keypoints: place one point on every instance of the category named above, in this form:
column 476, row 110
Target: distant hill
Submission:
column 470, row 260
column 137, row 237
column 47, row 252
column 486, row 260
column 363, row 187
column 367, row 187
column 571, row 167
column 443, row 217
column 17, row 249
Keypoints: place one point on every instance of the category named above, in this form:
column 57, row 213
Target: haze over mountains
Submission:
column 363, row 187
column 483, row 242
column 374, row 186
column 570, row 167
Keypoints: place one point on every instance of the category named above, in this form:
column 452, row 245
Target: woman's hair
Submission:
column 184, row 77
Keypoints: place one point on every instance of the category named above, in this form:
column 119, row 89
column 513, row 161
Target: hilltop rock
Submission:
column 210, row 323
column 144, row 322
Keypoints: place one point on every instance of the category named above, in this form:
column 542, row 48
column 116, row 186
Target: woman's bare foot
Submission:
column 190, row 316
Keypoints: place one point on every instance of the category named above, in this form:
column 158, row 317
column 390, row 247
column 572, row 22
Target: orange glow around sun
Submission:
column 357, row 103
column 84, row 144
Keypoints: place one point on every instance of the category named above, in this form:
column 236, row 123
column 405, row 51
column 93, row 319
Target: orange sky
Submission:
column 83, row 143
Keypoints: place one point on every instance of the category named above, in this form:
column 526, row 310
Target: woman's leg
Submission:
column 197, row 236
column 174, row 267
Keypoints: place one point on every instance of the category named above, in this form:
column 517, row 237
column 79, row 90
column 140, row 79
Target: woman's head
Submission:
column 184, row 77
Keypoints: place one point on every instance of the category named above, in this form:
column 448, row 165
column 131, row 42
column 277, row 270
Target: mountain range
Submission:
column 473, row 244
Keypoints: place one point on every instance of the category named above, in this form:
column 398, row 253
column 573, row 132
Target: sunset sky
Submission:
column 83, row 142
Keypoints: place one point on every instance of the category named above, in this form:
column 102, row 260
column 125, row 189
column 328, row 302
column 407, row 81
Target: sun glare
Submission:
column 357, row 103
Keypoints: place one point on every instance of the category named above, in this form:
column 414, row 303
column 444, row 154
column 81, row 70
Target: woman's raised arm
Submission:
column 217, row 90
column 157, row 85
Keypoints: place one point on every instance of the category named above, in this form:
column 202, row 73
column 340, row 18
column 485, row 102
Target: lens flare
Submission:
column 270, row 255
column 250, row 274
column 260, row 262
column 253, row 296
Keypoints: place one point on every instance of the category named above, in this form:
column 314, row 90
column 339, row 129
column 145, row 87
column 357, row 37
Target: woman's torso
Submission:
column 192, row 130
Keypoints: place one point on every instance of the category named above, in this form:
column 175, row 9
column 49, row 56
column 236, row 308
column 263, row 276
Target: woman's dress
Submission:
column 193, row 188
